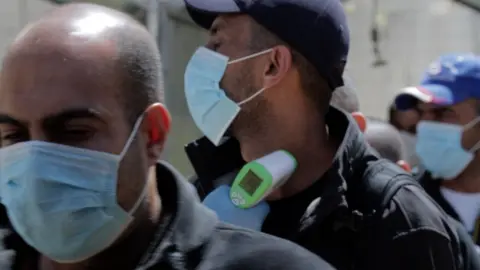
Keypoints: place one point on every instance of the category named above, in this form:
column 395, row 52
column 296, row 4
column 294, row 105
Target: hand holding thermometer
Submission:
column 258, row 178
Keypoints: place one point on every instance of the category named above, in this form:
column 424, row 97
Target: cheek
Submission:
column 239, row 81
column 229, row 82
column 132, row 175
column 470, row 138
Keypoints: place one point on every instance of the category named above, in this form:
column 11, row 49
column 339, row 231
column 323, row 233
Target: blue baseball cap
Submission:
column 451, row 79
column 317, row 29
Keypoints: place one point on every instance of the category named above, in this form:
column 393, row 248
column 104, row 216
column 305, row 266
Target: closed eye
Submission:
column 12, row 137
column 72, row 135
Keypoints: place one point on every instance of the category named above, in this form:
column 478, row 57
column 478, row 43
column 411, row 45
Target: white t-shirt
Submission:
column 467, row 206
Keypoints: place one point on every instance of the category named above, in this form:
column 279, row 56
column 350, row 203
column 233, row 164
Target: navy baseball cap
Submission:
column 317, row 29
column 450, row 80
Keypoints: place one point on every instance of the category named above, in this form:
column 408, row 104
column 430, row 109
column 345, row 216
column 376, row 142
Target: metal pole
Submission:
column 22, row 13
column 152, row 17
column 375, row 35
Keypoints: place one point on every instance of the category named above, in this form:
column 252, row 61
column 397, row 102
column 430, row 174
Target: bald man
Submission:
column 384, row 138
column 82, row 126
column 345, row 97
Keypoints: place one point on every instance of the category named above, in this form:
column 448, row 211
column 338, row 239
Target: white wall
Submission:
column 14, row 15
column 415, row 32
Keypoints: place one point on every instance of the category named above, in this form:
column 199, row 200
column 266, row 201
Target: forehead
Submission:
column 428, row 106
column 461, row 106
column 48, row 78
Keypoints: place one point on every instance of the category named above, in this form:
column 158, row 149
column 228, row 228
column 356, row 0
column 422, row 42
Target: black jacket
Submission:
column 432, row 187
column 192, row 238
column 411, row 233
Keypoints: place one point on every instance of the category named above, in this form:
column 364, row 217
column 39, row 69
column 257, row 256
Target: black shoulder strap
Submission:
column 378, row 180
column 390, row 190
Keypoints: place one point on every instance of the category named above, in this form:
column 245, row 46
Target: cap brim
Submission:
column 432, row 93
column 204, row 12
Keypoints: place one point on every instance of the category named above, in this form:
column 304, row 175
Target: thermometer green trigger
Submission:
column 258, row 178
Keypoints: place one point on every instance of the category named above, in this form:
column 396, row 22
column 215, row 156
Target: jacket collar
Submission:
column 351, row 153
column 187, row 224
column 352, row 147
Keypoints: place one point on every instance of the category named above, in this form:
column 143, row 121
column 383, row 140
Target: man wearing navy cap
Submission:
column 266, row 78
column 448, row 101
column 80, row 139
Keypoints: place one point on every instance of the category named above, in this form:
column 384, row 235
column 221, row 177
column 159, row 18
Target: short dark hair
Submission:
column 313, row 84
column 141, row 70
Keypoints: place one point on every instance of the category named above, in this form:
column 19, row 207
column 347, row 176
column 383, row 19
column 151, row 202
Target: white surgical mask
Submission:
column 212, row 111
column 439, row 147
column 62, row 200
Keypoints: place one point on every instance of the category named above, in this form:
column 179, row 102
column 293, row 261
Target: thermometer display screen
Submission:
column 250, row 183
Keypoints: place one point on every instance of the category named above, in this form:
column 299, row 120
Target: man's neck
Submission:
column 468, row 181
column 309, row 144
column 129, row 249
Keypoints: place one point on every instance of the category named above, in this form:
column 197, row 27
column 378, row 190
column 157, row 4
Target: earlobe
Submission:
column 157, row 150
column 159, row 122
column 404, row 165
column 361, row 120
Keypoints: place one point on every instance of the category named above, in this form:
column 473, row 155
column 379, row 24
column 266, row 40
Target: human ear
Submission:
column 361, row 120
column 279, row 63
column 157, row 125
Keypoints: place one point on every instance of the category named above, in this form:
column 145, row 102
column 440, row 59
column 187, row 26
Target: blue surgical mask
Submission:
column 439, row 148
column 212, row 111
column 62, row 200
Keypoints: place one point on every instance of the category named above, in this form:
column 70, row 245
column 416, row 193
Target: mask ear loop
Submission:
column 475, row 147
column 468, row 126
column 140, row 199
column 472, row 123
column 250, row 56
column 132, row 136
column 246, row 58
column 251, row 97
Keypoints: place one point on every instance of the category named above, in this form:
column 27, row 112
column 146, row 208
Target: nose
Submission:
column 37, row 134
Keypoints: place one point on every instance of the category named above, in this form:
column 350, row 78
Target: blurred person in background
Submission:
column 406, row 123
column 383, row 137
column 387, row 141
column 448, row 135
column 265, row 77
column 81, row 137
column 345, row 98
column 403, row 120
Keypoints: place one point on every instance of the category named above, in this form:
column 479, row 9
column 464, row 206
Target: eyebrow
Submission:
column 55, row 119
column 7, row 119
column 71, row 114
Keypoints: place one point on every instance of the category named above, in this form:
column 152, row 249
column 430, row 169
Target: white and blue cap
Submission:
column 451, row 79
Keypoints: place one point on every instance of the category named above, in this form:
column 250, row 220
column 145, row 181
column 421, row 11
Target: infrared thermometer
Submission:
column 258, row 178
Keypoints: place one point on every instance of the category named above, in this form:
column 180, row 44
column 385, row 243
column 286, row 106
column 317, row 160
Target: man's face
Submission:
column 230, row 35
column 459, row 114
column 71, row 97
column 407, row 120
